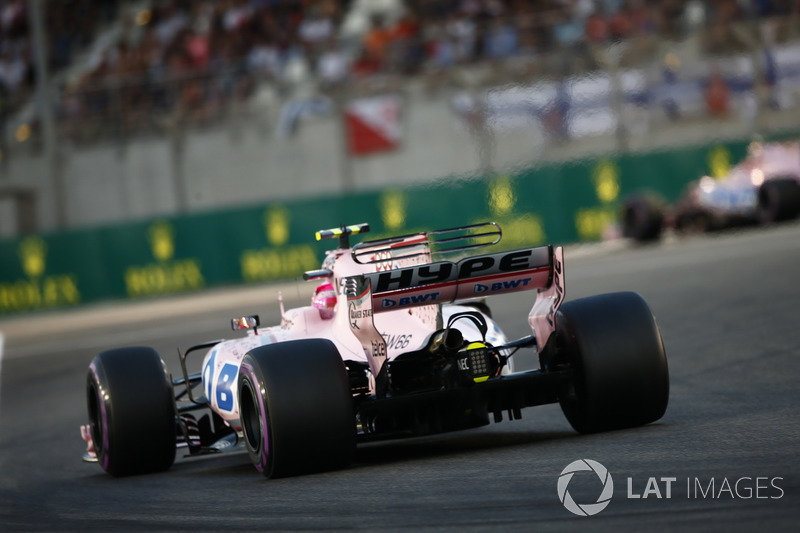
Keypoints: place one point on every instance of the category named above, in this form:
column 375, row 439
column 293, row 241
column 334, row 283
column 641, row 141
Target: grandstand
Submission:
column 172, row 106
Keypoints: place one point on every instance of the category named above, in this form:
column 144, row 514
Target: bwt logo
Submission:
column 410, row 300
column 502, row 285
column 586, row 509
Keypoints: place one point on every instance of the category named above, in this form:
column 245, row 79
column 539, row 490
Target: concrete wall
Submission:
column 237, row 164
column 244, row 162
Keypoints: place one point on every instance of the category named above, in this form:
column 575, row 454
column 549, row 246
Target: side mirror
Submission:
column 245, row 322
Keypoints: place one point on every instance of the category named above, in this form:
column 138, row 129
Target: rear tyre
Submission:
column 642, row 219
column 296, row 408
column 131, row 411
column 778, row 199
column 614, row 348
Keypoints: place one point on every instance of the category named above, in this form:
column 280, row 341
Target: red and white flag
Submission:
column 373, row 125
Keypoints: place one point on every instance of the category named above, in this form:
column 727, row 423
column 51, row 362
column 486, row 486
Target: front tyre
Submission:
column 296, row 408
column 614, row 348
column 131, row 411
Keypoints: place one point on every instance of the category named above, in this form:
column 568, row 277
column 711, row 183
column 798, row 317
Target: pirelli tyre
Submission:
column 642, row 218
column 778, row 200
column 614, row 348
column 296, row 408
column 131, row 411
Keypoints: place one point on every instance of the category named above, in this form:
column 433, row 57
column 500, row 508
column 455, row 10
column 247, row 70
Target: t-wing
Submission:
column 441, row 282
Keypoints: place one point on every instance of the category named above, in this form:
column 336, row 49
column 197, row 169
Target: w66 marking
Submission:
column 398, row 342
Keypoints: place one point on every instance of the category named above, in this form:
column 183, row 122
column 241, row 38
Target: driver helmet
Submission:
column 324, row 300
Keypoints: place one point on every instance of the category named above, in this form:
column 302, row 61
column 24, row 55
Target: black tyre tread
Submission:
column 140, row 411
column 642, row 219
column 778, row 200
column 620, row 369
column 309, row 407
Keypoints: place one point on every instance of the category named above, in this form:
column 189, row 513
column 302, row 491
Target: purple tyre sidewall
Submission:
column 247, row 371
column 104, row 451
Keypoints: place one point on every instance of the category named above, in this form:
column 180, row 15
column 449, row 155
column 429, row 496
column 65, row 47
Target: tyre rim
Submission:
column 98, row 417
column 253, row 415
column 95, row 418
column 250, row 420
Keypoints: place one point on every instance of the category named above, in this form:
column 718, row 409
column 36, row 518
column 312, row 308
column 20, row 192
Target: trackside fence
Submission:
column 563, row 203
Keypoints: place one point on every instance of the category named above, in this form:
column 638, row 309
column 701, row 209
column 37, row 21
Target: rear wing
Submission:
column 538, row 268
column 443, row 281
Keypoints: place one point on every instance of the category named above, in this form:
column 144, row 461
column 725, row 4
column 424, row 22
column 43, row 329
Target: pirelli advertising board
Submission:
column 264, row 243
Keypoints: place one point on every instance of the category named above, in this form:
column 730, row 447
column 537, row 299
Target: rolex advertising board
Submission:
column 569, row 202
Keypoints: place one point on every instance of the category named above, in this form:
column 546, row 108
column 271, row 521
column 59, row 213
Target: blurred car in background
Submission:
column 763, row 188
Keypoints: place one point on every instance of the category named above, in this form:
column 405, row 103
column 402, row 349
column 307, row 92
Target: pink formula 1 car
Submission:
column 763, row 188
column 394, row 344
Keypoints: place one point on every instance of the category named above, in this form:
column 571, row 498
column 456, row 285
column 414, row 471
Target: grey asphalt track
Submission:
column 728, row 309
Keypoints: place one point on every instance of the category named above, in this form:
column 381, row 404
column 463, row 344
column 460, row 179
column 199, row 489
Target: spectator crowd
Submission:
column 191, row 60
column 70, row 26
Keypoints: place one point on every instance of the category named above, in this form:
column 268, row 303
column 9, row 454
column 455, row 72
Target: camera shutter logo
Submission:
column 586, row 509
